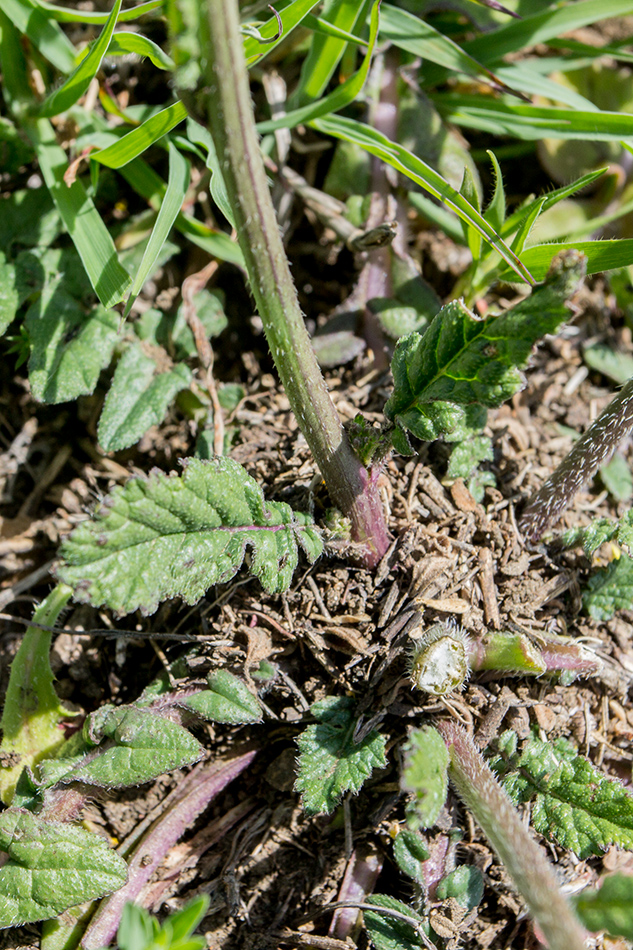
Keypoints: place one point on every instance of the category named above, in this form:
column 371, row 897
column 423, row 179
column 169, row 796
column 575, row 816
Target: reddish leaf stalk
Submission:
column 523, row 859
column 231, row 122
column 590, row 452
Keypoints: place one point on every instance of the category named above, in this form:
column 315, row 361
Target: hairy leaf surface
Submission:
column 610, row 589
column 52, row 866
column 138, row 398
column 601, row 530
column 330, row 761
column 610, row 907
column 425, row 776
column 177, row 535
column 462, row 361
column 228, row 699
column 572, row 802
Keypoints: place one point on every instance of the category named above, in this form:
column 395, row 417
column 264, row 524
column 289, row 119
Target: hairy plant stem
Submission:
column 230, row 117
column 592, row 450
column 523, row 859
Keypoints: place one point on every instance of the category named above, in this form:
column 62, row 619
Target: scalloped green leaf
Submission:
column 228, row 699
column 425, row 776
column 463, row 361
column 599, row 531
column 144, row 746
column 572, row 802
column 177, row 535
column 139, row 397
column 610, row 589
column 52, row 866
column 330, row 762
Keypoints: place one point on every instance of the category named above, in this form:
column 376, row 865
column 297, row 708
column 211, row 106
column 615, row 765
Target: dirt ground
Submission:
column 334, row 631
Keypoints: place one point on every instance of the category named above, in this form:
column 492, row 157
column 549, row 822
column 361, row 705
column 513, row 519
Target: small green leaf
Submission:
column 599, row 531
column 616, row 365
column 409, row 851
column 9, row 299
column 616, row 478
column 465, row 884
column 145, row 745
column 425, row 776
column 573, row 803
column 608, row 908
column 69, row 347
column 392, row 933
column 469, row 191
column 32, row 713
column 495, row 213
column 138, row 398
column 467, row 455
column 137, row 929
column 228, row 699
column 462, row 361
column 52, row 866
column 610, row 589
column 176, row 536
column 331, row 763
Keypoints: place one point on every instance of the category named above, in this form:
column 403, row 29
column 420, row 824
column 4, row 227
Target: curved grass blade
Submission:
column 319, row 25
column 138, row 140
column 45, row 34
column 125, row 42
column 533, row 122
column 81, row 77
column 69, row 15
column 542, row 27
column 548, row 201
column 326, row 51
column 177, row 185
column 83, row 222
column 336, row 100
column 292, row 16
column 422, row 174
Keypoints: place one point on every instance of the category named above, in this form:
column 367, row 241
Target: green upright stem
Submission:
column 231, row 121
column 521, row 856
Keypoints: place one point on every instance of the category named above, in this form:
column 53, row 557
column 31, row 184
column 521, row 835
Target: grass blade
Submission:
column 601, row 255
column 83, row 222
column 31, row 20
column 124, row 42
column 326, row 51
column 418, row 171
column 291, row 17
column 81, row 77
column 171, row 204
column 542, row 27
column 138, row 140
column 337, row 99
column 68, row 15
column 533, row 122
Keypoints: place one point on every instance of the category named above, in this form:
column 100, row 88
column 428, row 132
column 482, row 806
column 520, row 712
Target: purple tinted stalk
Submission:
column 590, row 452
column 231, row 122
column 188, row 800
column 521, row 856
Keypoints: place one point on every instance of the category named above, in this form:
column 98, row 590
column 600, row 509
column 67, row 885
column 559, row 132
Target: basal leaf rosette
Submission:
column 177, row 535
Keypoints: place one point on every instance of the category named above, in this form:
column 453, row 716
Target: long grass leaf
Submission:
column 418, row 171
column 171, row 204
column 533, row 122
column 548, row 201
column 601, row 255
column 124, row 42
column 83, row 222
column 319, row 25
column 326, row 51
column 541, row 27
column 290, row 17
column 136, row 142
column 337, row 99
column 45, row 34
column 70, row 15
column 81, row 77
column 410, row 33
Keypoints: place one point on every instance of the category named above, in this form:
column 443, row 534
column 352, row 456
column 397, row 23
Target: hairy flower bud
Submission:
column 439, row 659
